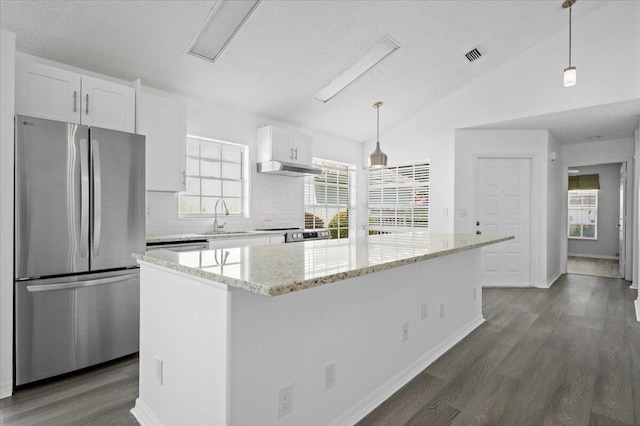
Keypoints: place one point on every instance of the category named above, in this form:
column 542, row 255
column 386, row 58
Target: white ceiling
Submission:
column 603, row 122
column 288, row 50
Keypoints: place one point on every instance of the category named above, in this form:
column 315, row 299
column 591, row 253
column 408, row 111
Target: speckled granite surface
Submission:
column 169, row 238
column 272, row 270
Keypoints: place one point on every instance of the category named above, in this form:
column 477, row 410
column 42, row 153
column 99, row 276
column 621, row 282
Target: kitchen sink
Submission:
column 227, row 233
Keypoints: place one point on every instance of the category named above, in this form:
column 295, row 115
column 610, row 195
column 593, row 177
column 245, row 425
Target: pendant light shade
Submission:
column 570, row 71
column 378, row 159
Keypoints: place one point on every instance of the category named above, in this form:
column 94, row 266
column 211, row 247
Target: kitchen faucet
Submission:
column 217, row 227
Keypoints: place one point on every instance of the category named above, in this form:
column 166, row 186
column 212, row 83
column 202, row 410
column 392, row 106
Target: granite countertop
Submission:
column 277, row 269
column 170, row 238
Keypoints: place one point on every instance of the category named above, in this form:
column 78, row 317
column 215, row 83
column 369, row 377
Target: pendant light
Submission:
column 570, row 71
column 378, row 159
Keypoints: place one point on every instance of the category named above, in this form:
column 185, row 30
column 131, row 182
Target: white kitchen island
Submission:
column 233, row 327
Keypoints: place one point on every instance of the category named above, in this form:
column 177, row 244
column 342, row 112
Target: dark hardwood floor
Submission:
column 568, row 355
column 100, row 396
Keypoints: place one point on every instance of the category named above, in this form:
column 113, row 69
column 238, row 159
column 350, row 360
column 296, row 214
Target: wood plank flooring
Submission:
column 568, row 355
column 100, row 396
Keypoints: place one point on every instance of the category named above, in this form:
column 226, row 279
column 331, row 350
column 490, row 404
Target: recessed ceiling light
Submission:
column 594, row 138
column 221, row 25
column 378, row 52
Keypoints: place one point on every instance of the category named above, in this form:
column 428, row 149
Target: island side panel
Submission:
column 183, row 321
column 356, row 324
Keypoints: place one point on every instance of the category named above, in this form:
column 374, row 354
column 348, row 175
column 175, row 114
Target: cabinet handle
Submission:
column 296, row 150
column 184, row 177
column 291, row 156
column 75, row 100
column 87, row 105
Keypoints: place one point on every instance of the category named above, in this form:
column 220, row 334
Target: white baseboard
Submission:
column 373, row 400
column 638, row 309
column 593, row 256
column 144, row 415
column 634, row 285
column 506, row 286
column 549, row 283
column 6, row 390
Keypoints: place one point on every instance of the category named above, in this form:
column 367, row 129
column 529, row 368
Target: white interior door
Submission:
column 621, row 225
column 503, row 207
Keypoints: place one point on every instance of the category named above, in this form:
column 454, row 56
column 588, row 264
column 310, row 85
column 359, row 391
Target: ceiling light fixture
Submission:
column 221, row 25
column 378, row 52
column 570, row 71
column 378, row 159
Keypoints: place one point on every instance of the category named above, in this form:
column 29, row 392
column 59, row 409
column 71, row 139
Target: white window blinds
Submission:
column 583, row 214
column 327, row 198
column 398, row 197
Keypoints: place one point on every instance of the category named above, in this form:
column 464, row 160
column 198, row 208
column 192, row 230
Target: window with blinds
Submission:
column 398, row 198
column 214, row 171
column 327, row 198
column 583, row 214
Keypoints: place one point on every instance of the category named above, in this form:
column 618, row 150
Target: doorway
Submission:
column 596, row 220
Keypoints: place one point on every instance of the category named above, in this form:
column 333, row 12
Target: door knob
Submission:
column 477, row 223
column 478, row 232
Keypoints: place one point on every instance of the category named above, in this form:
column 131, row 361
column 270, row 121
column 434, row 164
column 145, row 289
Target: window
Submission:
column 398, row 198
column 583, row 214
column 215, row 170
column 327, row 198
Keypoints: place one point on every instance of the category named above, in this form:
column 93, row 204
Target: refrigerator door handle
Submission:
column 97, row 196
column 84, row 198
column 80, row 284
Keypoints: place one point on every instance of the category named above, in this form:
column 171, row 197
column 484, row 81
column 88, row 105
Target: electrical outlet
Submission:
column 149, row 211
column 329, row 376
column 442, row 311
column 405, row 331
column 157, row 370
column 285, row 400
column 423, row 310
column 475, row 294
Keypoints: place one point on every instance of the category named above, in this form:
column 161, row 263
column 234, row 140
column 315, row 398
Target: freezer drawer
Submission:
column 65, row 324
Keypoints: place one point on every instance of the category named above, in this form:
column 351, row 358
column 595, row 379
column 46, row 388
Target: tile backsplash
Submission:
column 276, row 201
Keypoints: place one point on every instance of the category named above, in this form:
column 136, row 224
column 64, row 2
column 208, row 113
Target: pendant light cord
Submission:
column 570, row 35
column 378, row 124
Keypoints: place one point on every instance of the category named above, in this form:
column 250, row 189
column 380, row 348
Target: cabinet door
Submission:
column 47, row 92
column 108, row 105
column 302, row 148
column 281, row 145
column 163, row 122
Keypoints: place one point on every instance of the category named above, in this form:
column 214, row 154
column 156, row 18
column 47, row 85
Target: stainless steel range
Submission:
column 294, row 235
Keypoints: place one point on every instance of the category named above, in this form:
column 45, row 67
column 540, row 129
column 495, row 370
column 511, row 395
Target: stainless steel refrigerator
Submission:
column 79, row 214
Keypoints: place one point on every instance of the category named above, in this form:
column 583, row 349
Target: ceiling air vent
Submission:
column 473, row 55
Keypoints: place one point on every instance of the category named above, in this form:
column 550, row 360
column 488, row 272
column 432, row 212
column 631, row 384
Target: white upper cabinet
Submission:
column 284, row 145
column 108, row 105
column 47, row 92
column 164, row 123
column 55, row 94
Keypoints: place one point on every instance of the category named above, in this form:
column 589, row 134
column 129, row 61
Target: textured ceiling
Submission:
column 287, row 50
column 612, row 121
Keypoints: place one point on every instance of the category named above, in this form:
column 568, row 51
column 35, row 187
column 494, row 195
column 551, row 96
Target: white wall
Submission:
column 604, row 43
column 7, row 89
column 474, row 143
column 275, row 200
column 554, row 211
column 607, row 244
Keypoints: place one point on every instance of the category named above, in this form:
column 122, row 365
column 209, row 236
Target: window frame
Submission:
column 375, row 222
column 243, row 181
column 582, row 225
column 311, row 183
